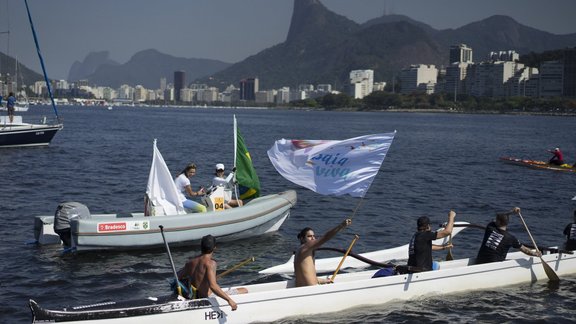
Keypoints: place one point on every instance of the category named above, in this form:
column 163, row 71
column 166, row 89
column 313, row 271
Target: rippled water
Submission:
column 437, row 162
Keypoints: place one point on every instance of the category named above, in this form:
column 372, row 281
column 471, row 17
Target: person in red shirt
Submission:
column 557, row 159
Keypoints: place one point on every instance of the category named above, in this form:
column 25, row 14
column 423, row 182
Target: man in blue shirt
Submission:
column 10, row 103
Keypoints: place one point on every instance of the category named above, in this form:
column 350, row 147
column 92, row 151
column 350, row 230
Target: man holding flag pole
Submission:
column 328, row 167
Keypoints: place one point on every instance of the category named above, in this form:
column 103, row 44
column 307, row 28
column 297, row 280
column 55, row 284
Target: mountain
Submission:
column 82, row 70
column 146, row 68
column 500, row 33
column 25, row 75
column 323, row 47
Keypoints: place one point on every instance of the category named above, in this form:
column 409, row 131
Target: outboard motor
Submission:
column 64, row 213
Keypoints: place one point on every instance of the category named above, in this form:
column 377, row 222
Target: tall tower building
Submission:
column 179, row 82
column 248, row 89
column 569, row 73
column 460, row 53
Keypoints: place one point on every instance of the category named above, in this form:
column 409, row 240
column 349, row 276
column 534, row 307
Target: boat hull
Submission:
column 136, row 231
column 273, row 301
column 19, row 135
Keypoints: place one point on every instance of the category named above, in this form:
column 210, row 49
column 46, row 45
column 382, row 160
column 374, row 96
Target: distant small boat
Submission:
column 109, row 107
column 539, row 164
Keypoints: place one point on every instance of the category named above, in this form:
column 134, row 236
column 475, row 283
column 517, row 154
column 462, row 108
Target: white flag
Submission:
column 331, row 167
column 161, row 190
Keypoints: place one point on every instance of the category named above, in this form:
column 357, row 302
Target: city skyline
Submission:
column 69, row 30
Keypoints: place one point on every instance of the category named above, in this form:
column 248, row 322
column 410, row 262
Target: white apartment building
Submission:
column 140, row 93
column 207, row 95
column 283, row 95
column 265, row 96
column 418, row 78
column 126, row 92
column 362, row 83
column 187, row 94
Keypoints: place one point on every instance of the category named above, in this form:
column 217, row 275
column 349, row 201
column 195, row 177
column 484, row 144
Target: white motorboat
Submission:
column 330, row 264
column 269, row 302
column 136, row 231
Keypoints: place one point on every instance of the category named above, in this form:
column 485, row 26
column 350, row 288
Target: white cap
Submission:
column 219, row 166
column 556, row 149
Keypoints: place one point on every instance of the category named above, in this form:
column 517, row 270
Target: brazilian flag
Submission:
column 248, row 182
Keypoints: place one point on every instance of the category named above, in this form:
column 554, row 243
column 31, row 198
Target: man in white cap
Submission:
column 557, row 159
column 220, row 180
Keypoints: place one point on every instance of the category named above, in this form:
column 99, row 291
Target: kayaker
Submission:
column 421, row 247
column 304, row 267
column 497, row 240
column 185, row 191
column 200, row 272
column 570, row 232
column 558, row 158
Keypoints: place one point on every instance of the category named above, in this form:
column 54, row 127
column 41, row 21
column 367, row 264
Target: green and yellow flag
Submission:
column 248, row 182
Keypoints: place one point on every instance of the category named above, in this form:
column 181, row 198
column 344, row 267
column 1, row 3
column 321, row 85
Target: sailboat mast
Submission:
column 235, row 142
column 42, row 61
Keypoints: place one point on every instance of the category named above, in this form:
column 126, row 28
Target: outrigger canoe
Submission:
column 330, row 264
column 269, row 302
column 539, row 164
column 136, row 231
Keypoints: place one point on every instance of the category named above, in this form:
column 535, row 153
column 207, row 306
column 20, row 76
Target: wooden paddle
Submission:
column 449, row 256
column 552, row 276
column 356, row 237
column 250, row 259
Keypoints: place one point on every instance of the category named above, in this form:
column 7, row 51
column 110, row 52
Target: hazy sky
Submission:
column 227, row 30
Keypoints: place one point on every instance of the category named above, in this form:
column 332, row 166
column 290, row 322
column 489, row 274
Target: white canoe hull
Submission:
column 272, row 301
column 330, row 264
column 136, row 231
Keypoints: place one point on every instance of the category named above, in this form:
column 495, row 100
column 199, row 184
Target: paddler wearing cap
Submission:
column 420, row 248
column 558, row 158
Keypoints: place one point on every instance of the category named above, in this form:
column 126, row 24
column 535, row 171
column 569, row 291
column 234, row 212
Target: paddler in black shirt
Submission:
column 420, row 249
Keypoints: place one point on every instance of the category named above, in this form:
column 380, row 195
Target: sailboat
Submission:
column 163, row 207
column 16, row 133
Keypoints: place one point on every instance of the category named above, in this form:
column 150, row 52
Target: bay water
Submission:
column 437, row 162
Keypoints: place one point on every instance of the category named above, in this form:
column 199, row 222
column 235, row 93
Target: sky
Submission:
column 226, row 30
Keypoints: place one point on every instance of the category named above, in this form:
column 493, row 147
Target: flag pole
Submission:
column 235, row 155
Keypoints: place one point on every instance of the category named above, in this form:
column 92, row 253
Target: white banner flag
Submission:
column 332, row 167
column 161, row 190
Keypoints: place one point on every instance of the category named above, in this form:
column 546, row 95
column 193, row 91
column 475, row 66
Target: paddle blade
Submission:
column 552, row 276
column 449, row 256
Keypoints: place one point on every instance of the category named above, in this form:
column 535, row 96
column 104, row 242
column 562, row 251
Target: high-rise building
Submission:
column 569, row 72
column 460, row 53
column 551, row 76
column 179, row 83
column 248, row 89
